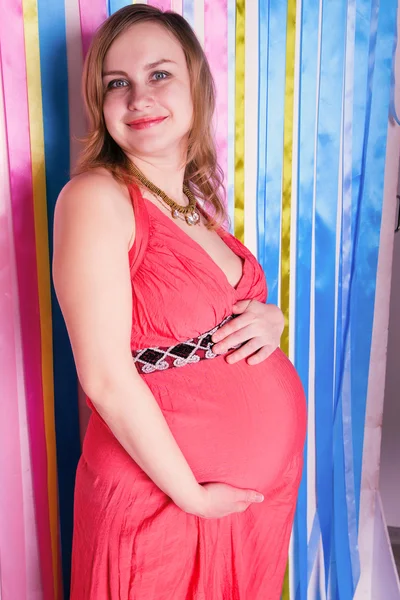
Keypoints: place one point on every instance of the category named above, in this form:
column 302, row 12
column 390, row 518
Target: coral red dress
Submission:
column 239, row 424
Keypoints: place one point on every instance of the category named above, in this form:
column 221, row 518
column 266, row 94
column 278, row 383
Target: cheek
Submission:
column 107, row 114
column 111, row 111
column 179, row 102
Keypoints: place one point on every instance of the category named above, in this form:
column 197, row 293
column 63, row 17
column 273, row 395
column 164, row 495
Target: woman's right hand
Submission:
column 222, row 499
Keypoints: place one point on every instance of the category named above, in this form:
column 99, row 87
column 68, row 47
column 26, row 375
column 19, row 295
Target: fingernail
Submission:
column 258, row 498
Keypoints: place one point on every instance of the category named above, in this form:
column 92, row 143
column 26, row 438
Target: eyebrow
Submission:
column 149, row 66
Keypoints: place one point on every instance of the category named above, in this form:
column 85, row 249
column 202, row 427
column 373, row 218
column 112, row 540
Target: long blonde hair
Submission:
column 203, row 175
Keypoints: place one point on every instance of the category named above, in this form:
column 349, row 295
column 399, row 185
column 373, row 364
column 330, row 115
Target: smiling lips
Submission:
column 146, row 123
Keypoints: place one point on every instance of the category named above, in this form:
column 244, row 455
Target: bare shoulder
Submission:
column 94, row 200
column 96, row 183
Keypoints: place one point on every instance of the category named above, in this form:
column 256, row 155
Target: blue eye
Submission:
column 116, row 83
column 159, row 75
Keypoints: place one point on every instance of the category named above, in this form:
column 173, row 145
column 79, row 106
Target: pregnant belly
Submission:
column 238, row 424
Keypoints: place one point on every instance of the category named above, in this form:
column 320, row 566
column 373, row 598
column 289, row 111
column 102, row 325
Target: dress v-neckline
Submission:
column 224, row 237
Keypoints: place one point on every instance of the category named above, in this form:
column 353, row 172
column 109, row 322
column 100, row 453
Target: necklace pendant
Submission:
column 175, row 214
column 192, row 218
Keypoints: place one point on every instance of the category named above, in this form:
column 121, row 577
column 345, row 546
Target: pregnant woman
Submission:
column 187, row 484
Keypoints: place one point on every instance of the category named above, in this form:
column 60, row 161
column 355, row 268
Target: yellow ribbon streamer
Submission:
column 287, row 169
column 32, row 56
column 286, row 194
column 239, row 120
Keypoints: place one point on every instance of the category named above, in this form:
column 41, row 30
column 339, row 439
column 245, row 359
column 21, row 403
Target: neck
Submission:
column 166, row 174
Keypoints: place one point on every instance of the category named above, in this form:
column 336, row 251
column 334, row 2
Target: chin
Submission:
column 153, row 148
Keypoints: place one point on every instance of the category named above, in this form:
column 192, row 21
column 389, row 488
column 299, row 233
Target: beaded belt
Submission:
column 192, row 351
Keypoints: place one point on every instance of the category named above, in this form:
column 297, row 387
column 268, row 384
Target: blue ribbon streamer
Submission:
column 345, row 468
column 368, row 178
column 263, row 56
column 340, row 391
column 368, row 225
column 369, row 205
column 54, row 79
column 347, row 491
column 326, row 193
column 308, row 59
column 313, row 544
column 273, row 153
column 114, row 5
column 188, row 11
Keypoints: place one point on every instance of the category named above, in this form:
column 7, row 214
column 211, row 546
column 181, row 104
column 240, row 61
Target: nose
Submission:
column 140, row 98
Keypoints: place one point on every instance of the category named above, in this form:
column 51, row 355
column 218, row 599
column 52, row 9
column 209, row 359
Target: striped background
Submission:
column 303, row 97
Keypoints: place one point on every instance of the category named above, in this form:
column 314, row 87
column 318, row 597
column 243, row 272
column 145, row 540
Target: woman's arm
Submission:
column 92, row 282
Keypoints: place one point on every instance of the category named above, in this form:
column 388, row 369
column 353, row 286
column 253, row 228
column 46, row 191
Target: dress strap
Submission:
column 142, row 228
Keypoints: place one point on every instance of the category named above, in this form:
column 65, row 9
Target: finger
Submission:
column 243, row 352
column 231, row 327
column 235, row 339
column 261, row 355
column 250, row 496
column 240, row 306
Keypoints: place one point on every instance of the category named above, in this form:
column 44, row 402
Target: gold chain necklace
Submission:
column 189, row 212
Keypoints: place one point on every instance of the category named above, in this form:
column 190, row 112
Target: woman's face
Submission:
column 147, row 107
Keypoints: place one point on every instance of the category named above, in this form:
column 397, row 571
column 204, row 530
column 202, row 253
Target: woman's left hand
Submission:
column 261, row 325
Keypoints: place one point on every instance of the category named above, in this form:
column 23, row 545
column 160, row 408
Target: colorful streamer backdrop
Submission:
column 301, row 122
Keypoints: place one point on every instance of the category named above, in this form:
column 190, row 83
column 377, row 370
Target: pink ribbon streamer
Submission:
column 13, row 581
column 216, row 48
column 18, row 139
column 161, row 4
column 92, row 13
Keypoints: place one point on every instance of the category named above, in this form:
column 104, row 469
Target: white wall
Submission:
column 385, row 580
column 390, row 453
